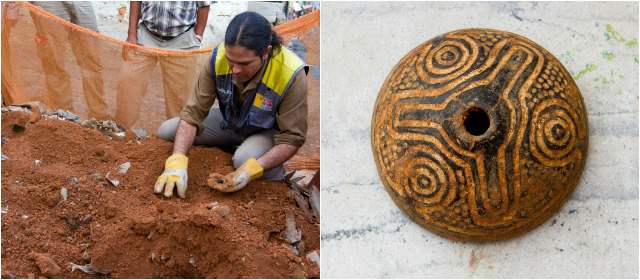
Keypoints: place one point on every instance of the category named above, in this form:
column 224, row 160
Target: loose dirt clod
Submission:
column 222, row 211
column 85, row 256
column 47, row 266
column 96, row 176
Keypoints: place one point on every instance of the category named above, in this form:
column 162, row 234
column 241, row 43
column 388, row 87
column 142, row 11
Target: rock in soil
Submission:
column 221, row 210
column 314, row 257
column 64, row 193
column 292, row 235
column 88, row 269
column 140, row 133
column 123, row 168
column 66, row 115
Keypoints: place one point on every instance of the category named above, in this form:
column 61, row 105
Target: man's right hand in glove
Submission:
column 175, row 174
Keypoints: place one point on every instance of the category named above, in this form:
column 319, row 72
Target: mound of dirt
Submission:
column 58, row 208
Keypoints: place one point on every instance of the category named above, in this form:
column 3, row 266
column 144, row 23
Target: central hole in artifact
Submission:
column 476, row 121
column 220, row 181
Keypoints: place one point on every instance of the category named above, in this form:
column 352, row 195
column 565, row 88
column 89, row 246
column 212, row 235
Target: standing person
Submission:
column 261, row 88
column 167, row 25
column 51, row 50
column 297, row 9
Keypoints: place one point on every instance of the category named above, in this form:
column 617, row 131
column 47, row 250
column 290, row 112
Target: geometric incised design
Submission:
column 479, row 134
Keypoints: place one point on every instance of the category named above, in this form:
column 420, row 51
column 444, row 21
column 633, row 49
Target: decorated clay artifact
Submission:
column 479, row 134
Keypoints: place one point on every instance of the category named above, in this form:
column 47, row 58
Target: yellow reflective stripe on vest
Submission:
column 222, row 66
column 281, row 69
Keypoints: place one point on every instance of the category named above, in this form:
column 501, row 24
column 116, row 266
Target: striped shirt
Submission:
column 168, row 18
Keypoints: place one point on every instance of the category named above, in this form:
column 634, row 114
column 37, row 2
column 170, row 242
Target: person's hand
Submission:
column 125, row 47
column 238, row 179
column 174, row 175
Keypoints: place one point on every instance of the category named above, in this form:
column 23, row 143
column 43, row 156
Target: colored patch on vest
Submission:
column 262, row 102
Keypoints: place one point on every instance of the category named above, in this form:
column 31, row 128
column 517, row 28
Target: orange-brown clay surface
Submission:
column 127, row 231
column 479, row 134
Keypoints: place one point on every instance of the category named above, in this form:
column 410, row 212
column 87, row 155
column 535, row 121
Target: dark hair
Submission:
column 252, row 31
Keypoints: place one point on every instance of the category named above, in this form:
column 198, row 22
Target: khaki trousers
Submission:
column 178, row 75
column 51, row 48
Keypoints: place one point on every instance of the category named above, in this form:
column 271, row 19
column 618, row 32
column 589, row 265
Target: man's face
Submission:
column 244, row 63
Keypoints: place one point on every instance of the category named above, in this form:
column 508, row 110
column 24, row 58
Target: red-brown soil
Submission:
column 128, row 230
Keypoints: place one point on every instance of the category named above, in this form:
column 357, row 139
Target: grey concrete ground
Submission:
column 594, row 235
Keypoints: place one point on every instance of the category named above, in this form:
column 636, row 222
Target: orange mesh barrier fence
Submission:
column 66, row 66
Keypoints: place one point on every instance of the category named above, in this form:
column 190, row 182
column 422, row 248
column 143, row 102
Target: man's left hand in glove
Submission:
column 238, row 179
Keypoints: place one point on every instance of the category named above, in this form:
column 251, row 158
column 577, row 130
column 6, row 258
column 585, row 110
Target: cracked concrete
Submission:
column 594, row 235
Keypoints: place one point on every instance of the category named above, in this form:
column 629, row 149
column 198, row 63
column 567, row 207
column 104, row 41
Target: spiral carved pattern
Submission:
column 553, row 139
column 431, row 180
column 447, row 61
column 503, row 181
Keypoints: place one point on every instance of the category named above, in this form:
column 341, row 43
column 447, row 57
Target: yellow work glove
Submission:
column 175, row 174
column 238, row 179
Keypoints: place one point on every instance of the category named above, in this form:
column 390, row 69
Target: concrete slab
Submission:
column 273, row 11
column 594, row 235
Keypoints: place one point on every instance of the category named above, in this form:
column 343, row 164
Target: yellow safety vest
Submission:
column 258, row 112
